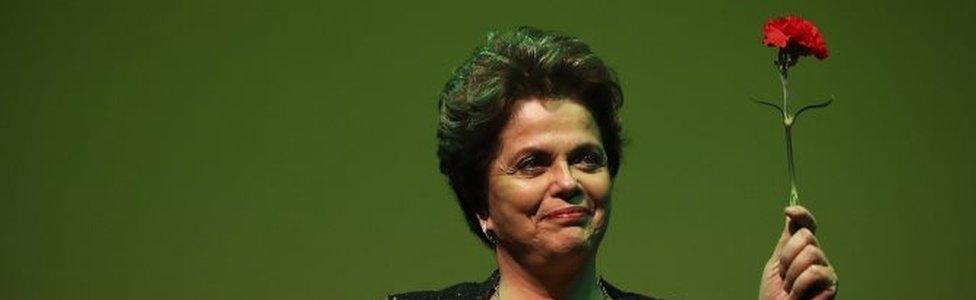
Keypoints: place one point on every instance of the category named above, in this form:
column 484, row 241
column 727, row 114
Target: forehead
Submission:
column 535, row 119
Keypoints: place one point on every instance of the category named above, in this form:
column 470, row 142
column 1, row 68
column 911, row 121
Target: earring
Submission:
column 491, row 236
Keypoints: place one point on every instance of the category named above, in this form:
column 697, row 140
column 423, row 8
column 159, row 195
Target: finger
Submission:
column 800, row 217
column 773, row 268
column 827, row 294
column 811, row 255
column 816, row 280
column 797, row 242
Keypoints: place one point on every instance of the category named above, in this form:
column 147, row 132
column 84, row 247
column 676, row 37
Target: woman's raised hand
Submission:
column 798, row 268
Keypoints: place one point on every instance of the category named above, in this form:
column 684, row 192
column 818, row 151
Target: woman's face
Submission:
column 549, row 185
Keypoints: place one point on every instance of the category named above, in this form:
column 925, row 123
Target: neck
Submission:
column 571, row 277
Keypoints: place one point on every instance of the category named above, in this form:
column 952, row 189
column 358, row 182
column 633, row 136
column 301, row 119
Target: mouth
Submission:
column 571, row 214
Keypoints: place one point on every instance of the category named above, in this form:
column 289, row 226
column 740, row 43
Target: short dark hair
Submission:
column 477, row 102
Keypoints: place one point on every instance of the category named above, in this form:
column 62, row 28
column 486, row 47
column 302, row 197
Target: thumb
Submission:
column 796, row 217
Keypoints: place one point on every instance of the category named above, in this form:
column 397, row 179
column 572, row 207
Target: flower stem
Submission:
column 794, row 197
column 786, row 93
column 788, row 119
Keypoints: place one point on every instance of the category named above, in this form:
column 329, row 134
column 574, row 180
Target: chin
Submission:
column 574, row 240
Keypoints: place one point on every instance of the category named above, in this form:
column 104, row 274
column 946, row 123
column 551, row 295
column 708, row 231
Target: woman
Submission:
column 530, row 141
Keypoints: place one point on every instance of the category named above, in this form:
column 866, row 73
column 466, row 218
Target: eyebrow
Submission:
column 576, row 150
column 588, row 146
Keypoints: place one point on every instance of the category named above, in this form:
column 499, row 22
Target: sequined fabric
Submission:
column 484, row 289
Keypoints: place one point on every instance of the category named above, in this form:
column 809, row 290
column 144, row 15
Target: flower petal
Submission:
column 795, row 35
column 774, row 37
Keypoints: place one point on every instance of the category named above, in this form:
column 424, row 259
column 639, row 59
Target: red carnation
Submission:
column 794, row 36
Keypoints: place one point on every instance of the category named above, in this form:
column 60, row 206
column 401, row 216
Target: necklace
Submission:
column 599, row 283
column 603, row 288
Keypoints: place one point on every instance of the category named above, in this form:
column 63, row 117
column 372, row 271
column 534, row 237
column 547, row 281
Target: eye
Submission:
column 532, row 164
column 591, row 160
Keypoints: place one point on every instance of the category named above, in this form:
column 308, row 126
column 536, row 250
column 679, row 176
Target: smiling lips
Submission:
column 568, row 214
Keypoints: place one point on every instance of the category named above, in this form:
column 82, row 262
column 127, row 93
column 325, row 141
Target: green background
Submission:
column 285, row 150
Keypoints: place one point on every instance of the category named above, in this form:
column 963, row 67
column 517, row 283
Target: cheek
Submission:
column 509, row 198
column 597, row 186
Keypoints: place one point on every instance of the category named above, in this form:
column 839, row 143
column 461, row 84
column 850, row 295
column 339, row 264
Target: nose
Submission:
column 564, row 185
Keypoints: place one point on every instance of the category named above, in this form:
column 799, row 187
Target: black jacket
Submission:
column 484, row 289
